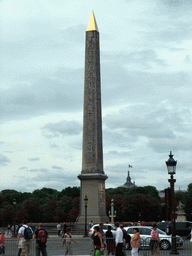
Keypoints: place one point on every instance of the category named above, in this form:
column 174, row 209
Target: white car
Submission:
column 145, row 235
column 105, row 228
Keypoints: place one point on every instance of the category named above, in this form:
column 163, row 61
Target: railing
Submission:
column 54, row 247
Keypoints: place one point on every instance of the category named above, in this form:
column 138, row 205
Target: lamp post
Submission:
column 112, row 214
column 14, row 205
column 85, row 201
column 171, row 167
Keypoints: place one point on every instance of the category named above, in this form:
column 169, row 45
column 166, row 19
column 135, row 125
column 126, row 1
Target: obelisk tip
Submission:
column 92, row 25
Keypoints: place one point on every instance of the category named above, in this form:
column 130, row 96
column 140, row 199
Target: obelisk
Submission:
column 92, row 176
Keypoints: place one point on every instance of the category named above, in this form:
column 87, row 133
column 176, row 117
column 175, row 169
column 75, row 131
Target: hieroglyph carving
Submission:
column 92, row 130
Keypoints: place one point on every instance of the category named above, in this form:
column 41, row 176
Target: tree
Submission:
column 32, row 209
column 74, row 212
column 140, row 207
column 70, row 192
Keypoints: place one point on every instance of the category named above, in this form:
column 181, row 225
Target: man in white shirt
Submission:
column 119, row 240
column 59, row 229
column 25, row 235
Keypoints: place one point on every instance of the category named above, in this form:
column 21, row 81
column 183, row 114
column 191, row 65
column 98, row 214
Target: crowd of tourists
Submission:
column 117, row 246
column 25, row 235
column 114, row 246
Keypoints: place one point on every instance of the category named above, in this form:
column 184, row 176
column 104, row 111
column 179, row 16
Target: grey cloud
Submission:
column 149, row 124
column 42, row 170
column 23, row 168
column 57, row 167
column 177, row 49
column 144, row 59
column 116, row 154
column 162, row 145
column 64, row 128
column 187, row 59
column 4, row 160
column 50, row 175
column 34, row 159
column 53, row 145
column 119, row 86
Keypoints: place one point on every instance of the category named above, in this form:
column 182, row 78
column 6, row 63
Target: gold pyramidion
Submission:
column 92, row 25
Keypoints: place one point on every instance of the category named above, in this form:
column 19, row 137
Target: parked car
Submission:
column 105, row 228
column 145, row 235
column 182, row 228
column 162, row 225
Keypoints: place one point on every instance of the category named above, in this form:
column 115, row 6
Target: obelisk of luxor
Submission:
column 92, row 176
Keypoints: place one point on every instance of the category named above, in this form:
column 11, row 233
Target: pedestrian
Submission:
column 90, row 224
column 143, row 223
column 59, row 229
column 110, row 241
column 64, row 228
column 126, row 239
column 135, row 242
column 189, row 236
column 25, row 233
column 101, row 229
column 2, row 243
column 67, row 241
column 119, row 240
column 41, row 236
column 155, row 240
column 16, row 228
column 8, row 230
column 97, row 241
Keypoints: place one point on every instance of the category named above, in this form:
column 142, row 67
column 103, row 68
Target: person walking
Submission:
column 90, row 224
column 135, row 242
column 97, row 241
column 189, row 236
column 9, row 230
column 41, row 236
column 119, row 240
column 59, row 229
column 155, row 240
column 64, row 227
column 25, row 233
column 2, row 243
column 67, row 241
column 110, row 241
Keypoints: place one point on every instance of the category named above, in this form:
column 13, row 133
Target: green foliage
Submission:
column 70, row 192
column 140, row 207
column 146, row 190
column 189, row 189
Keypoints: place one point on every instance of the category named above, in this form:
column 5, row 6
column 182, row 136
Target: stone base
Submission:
column 181, row 217
column 93, row 186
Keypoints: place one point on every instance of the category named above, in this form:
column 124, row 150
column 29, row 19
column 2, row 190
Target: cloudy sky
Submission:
column 146, row 80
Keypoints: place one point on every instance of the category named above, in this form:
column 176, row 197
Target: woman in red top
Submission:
column 2, row 243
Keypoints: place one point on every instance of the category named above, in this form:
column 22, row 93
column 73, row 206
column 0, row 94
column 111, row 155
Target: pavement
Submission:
column 54, row 247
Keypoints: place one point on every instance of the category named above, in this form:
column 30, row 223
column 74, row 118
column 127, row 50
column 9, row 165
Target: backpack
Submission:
column 41, row 236
column 126, row 236
column 28, row 234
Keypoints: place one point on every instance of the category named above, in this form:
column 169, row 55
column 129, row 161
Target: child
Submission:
column 2, row 243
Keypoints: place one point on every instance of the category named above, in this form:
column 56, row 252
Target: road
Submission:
column 54, row 247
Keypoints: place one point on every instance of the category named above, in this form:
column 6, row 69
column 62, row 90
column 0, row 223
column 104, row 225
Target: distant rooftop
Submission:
column 128, row 183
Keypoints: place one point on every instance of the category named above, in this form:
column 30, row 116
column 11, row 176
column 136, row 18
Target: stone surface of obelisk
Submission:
column 92, row 176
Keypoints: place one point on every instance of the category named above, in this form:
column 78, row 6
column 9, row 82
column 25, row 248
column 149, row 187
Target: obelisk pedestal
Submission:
column 92, row 176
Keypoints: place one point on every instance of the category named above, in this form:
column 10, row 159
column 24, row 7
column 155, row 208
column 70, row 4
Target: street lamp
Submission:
column 85, row 201
column 171, row 167
column 14, row 205
column 112, row 214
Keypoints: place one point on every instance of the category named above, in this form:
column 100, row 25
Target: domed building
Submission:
column 128, row 183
